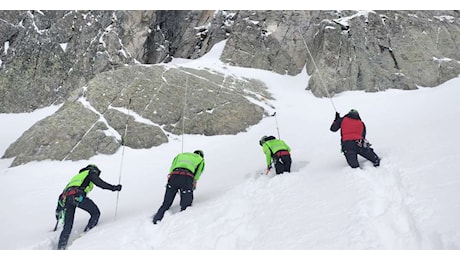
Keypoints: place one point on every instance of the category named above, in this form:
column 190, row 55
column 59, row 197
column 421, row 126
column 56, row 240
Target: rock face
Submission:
column 46, row 55
column 375, row 51
column 139, row 107
column 94, row 62
column 350, row 50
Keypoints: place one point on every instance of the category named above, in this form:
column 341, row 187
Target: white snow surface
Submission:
column 410, row 202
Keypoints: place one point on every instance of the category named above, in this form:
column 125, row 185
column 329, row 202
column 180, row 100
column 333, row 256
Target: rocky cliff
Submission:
column 94, row 62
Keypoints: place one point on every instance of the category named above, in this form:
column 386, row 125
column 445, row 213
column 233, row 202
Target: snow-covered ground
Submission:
column 410, row 202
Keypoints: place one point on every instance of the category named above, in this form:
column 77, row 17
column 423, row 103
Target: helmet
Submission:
column 93, row 168
column 262, row 140
column 199, row 152
column 353, row 111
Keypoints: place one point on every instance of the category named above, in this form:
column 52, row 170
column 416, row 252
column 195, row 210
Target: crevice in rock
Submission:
column 390, row 51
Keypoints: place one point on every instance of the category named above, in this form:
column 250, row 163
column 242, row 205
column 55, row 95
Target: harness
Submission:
column 76, row 192
column 71, row 191
column 281, row 153
column 182, row 171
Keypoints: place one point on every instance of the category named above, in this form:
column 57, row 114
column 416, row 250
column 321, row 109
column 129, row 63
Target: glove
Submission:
column 337, row 115
column 194, row 184
column 116, row 187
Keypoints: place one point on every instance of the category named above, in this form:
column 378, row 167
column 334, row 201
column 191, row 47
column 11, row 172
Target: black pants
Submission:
column 181, row 183
column 283, row 164
column 351, row 149
column 70, row 206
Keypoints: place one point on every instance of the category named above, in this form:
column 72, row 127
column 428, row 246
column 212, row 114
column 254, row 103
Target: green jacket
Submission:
column 78, row 179
column 270, row 147
column 190, row 161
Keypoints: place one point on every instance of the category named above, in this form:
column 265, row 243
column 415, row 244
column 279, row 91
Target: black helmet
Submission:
column 93, row 168
column 199, row 152
column 354, row 111
column 262, row 140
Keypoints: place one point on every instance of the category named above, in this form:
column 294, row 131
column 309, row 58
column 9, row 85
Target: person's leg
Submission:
column 287, row 161
column 186, row 192
column 370, row 155
column 352, row 158
column 168, row 200
column 349, row 149
column 89, row 206
column 68, row 224
column 279, row 167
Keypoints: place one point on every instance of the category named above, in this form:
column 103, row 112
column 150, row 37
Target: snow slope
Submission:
column 410, row 202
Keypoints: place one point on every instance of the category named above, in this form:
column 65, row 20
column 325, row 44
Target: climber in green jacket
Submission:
column 278, row 151
column 75, row 195
column 183, row 175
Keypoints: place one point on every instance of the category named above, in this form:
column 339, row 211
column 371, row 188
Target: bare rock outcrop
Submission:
column 142, row 107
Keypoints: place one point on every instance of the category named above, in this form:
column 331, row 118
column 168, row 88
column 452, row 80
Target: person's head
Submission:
column 93, row 168
column 200, row 153
column 353, row 111
column 266, row 138
column 353, row 114
column 262, row 140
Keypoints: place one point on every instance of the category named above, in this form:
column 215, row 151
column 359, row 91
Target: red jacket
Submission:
column 351, row 127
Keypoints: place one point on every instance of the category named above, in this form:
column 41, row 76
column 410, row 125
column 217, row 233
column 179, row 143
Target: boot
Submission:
column 377, row 163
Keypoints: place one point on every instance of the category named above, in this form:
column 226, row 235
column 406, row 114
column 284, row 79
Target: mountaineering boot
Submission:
column 377, row 163
column 155, row 220
column 87, row 228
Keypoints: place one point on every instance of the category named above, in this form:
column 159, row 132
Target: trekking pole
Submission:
column 123, row 139
column 317, row 69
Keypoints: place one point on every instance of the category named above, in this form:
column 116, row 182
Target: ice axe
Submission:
column 55, row 226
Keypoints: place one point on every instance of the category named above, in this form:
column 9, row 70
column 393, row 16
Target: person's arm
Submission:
column 337, row 122
column 102, row 184
column 199, row 170
column 268, row 154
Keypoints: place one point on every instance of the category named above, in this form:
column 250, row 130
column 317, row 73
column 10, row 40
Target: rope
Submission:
column 277, row 128
column 317, row 69
column 95, row 122
column 183, row 112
